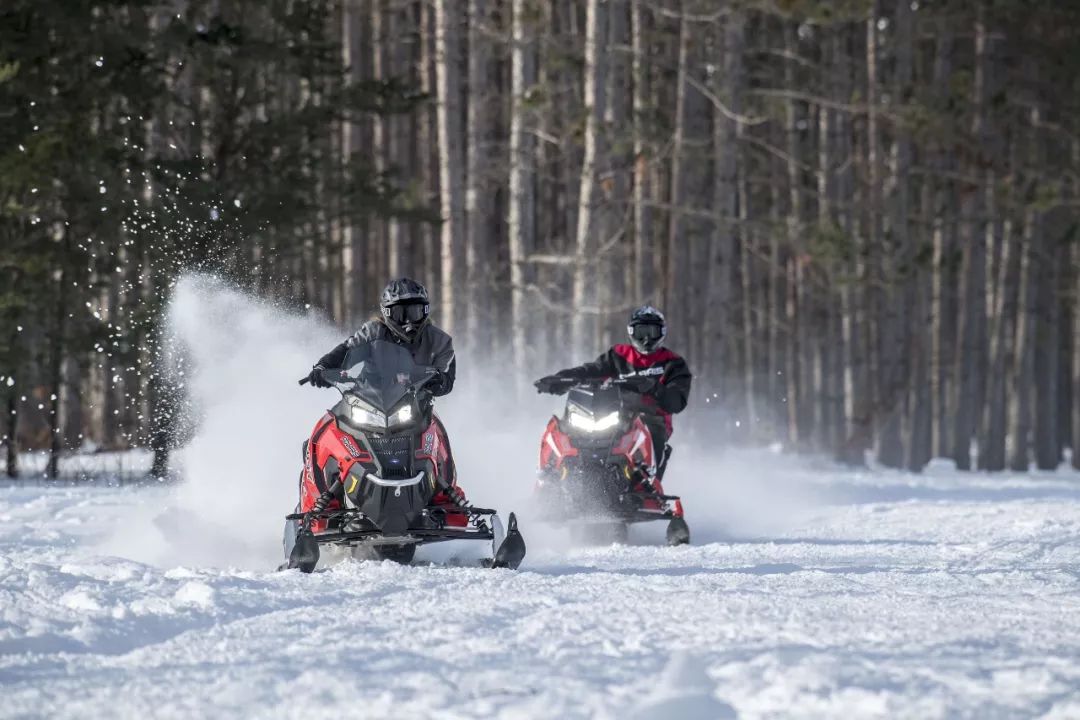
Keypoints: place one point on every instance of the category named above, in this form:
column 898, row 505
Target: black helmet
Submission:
column 405, row 308
column 647, row 329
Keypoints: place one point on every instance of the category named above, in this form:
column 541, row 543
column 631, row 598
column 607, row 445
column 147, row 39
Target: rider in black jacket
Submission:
column 661, row 376
column 405, row 320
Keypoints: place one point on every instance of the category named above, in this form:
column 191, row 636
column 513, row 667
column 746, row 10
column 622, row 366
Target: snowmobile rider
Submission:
column 405, row 321
column 658, row 374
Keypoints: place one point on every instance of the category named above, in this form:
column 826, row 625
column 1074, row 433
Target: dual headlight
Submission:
column 365, row 415
column 588, row 424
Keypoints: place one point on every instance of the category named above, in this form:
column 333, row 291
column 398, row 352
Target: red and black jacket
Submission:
column 668, row 396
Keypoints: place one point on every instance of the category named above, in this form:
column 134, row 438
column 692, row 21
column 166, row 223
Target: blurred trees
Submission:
column 860, row 216
column 142, row 139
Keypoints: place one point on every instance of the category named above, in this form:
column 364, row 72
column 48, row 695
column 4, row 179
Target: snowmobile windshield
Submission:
column 381, row 373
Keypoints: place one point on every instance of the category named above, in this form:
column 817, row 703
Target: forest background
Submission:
column 859, row 216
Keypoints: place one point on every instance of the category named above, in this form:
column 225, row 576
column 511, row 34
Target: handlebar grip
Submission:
column 305, row 381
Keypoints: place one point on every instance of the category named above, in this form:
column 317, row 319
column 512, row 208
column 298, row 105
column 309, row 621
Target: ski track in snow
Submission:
column 887, row 596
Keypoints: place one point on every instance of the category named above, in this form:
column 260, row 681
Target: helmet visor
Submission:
column 647, row 335
column 409, row 313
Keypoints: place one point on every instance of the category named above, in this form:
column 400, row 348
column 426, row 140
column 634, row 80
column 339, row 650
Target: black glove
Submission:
column 552, row 384
column 435, row 384
column 316, row 377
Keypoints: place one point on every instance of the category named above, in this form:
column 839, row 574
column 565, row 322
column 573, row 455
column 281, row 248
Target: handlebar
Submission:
column 432, row 375
column 597, row 382
column 561, row 385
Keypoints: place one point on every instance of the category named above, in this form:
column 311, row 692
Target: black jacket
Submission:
column 432, row 347
column 671, row 392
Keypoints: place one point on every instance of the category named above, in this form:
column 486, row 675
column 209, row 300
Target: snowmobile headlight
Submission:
column 363, row 414
column 607, row 422
column 403, row 415
column 588, row 424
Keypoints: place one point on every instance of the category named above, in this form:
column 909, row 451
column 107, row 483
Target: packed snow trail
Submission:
column 808, row 592
column 897, row 596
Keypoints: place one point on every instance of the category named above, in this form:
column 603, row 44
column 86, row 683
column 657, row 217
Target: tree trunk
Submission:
column 971, row 360
column 644, row 246
column 585, row 277
column 1076, row 357
column 721, row 323
column 479, row 192
column 1047, row 339
column 898, row 273
column 522, row 216
column 13, row 384
column 1003, row 338
column 448, row 17
column 794, row 333
column 11, row 445
column 56, row 359
column 1022, row 370
column 677, row 246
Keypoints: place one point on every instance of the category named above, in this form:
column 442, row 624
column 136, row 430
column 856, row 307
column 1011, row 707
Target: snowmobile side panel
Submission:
column 555, row 446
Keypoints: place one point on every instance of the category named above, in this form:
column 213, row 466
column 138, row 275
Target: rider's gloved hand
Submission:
column 316, row 378
column 436, row 384
column 550, row 384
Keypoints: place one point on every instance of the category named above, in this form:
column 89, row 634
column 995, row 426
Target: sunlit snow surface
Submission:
column 877, row 595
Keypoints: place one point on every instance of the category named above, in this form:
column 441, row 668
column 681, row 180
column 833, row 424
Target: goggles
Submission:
column 410, row 313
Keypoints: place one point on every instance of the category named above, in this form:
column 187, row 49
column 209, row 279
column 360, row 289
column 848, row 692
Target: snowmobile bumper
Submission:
column 508, row 547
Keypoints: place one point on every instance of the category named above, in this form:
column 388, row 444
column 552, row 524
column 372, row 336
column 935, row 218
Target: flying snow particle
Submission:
column 236, row 202
column 11, row 382
column 99, row 62
column 101, row 189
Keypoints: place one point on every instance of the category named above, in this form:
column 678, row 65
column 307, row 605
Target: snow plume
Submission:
column 242, row 358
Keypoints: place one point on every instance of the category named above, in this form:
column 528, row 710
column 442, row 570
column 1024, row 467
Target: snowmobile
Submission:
column 598, row 466
column 378, row 477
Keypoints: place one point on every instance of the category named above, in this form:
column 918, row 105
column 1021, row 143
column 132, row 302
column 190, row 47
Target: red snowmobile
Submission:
column 378, row 476
column 598, row 466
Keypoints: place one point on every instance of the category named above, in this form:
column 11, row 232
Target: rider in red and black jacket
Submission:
column 660, row 375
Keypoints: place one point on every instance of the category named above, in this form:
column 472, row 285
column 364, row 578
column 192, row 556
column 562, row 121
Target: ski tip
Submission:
column 512, row 549
column 678, row 532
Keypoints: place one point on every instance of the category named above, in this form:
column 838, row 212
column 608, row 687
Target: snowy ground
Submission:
column 808, row 592
column 873, row 595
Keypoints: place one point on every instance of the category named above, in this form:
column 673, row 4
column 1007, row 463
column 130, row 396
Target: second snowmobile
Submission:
column 378, row 478
column 598, row 465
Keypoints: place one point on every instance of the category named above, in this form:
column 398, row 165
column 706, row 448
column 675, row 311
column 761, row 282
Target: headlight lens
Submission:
column 607, row 422
column 363, row 414
column 586, row 423
column 403, row 415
